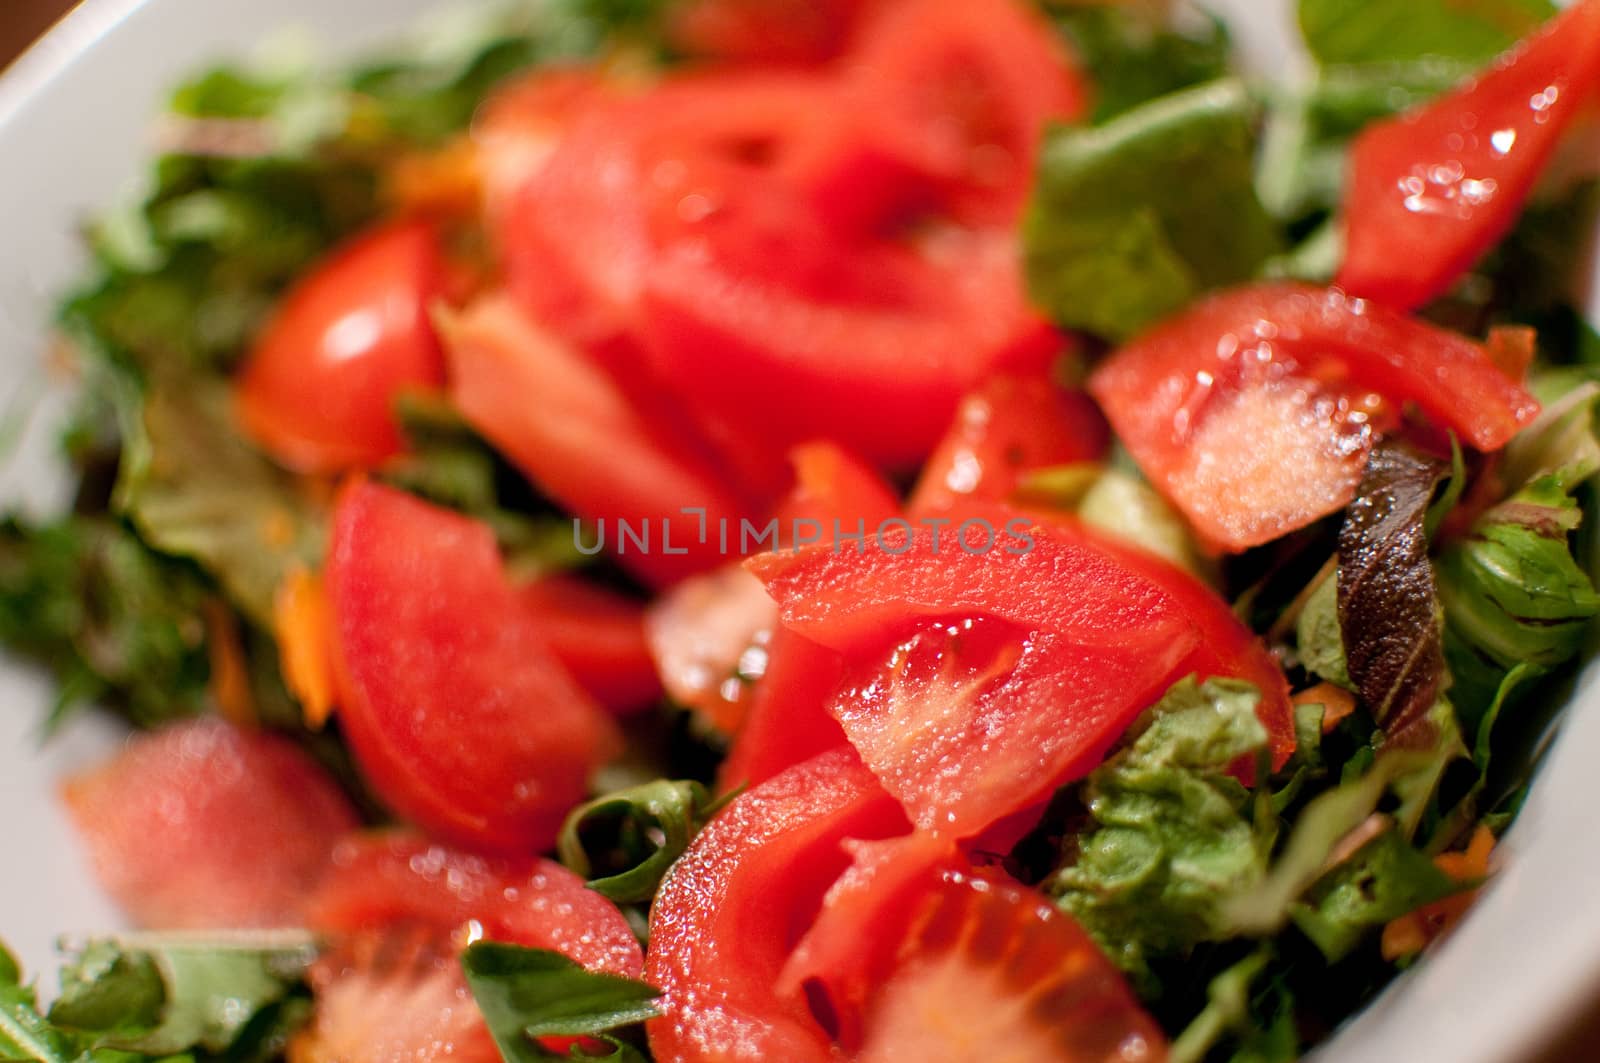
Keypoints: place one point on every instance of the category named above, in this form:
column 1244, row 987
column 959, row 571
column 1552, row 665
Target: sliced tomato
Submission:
column 919, row 957
column 1434, row 189
column 317, row 389
column 205, row 825
column 832, row 485
column 1253, row 411
column 699, row 632
column 397, row 994
column 605, row 454
column 458, row 714
column 764, row 31
column 967, row 89
column 390, row 878
column 979, row 681
column 517, row 129
column 1010, row 425
column 599, row 638
column 787, row 719
column 735, row 904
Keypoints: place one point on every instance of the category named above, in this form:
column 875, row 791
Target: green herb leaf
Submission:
column 1318, row 640
column 1227, row 1009
column 530, row 993
column 1132, row 54
column 1171, row 837
column 194, row 487
column 1133, row 219
column 1376, row 31
column 1388, row 614
column 641, row 831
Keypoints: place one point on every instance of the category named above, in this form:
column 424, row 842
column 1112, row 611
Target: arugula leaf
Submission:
column 1388, row 614
column 1318, row 640
column 1115, row 239
column 1371, row 31
column 112, row 621
column 194, row 487
column 529, row 993
column 1383, row 880
column 1133, row 54
column 1170, row 837
column 1227, row 1009
column 639, row 831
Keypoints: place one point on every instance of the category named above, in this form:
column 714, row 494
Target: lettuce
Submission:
column 526, row 994
column 1340, row 32
column 1134, row 53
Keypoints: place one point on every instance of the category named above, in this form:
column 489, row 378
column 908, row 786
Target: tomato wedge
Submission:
column 1434, row 189
column 180, row 798
column 919, row 957
column 450, row 699
column 764, row 31
column 603, row 453
column 599, row 637
column 979, row 681
column 734, row 905
column 317, row 389
column 787, row 720
column 1253, row 411
column 1011, row 424
column 967, row 90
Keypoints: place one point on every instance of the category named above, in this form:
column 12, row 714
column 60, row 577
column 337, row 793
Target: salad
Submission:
column 709, row 530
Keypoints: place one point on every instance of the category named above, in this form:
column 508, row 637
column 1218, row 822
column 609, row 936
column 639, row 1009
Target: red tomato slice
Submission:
column 246, row 818
column 735, row 904
column 1253, row 410
column 397, row 994
column 456, row 711
column 517, row 129
column 832, row 485
column 787, row 720
column 699, row 631
column 979, row 682
column 1434, row 189
column 604, row 454
column 389, row 878
column 599, row 638
column 1010, row 425
column 920, row 958
column 400, row 908
column 968, row 90
column 317, row 389
column 764, row 31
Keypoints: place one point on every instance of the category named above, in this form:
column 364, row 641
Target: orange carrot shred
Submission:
column 229, row 684
column 304, row 630
column 1336, row 702
column 1415, row 931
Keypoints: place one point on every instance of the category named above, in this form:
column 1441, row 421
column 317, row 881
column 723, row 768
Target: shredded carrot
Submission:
column 1415, row 931
column 1336, row 702
column 230, row 677
column 304, row 630
column 445, row 183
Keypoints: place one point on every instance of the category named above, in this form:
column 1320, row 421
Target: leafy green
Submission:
column 1119, row 502
column 1318, row 640
column 635, row 834
column 112, row 621
column 1379, row 31
column 1170, row 838
column 1131, row 220
column 193, row 487
column 1227, row 1009
column 1383, row 880
column 1133, row 54
column 530, row 993
column 1388, row 613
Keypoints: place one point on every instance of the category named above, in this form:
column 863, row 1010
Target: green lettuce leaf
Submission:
column 1378, row 31
column 634, row 835
column 530, row 993
column 1133, row 53
column 1171, row 834
column 1318, row 640
column 1131, row 220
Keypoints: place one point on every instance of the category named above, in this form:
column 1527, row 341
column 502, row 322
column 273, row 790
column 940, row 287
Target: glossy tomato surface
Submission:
column 598, row 636
column 247, row 816
column 317, row 388
column 458, row 713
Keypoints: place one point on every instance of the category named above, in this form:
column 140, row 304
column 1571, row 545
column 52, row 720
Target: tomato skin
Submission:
column 604, row 454
column 734, row 905
column 599, row 638
column 1013, row 670
column 1010, row 425
column 1434, row 189
column 247, row 816
column 1253, row 410
column 787, row 720
column 317, row 388
column 381, row 879
column 967, row 90
column 831, row 484
column 764, row 31
column 456, row 711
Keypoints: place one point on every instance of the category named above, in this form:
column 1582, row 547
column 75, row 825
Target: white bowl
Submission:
column 74, row 115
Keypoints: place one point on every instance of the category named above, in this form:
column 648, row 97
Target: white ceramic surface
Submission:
column 73, row 122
